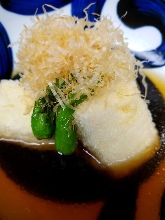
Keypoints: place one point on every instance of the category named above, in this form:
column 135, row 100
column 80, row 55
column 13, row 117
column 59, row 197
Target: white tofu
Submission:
column 15, row 111
column 117, row 129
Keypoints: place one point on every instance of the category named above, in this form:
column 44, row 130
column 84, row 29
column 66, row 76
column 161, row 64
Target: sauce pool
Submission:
column 17, row 203
column 151, row 191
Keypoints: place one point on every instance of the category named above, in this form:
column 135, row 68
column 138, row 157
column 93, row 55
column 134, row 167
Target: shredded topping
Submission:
column 84, row 55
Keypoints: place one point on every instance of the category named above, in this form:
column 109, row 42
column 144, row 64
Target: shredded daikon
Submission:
column 85, row 55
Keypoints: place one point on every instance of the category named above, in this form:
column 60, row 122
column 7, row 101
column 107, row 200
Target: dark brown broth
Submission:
column 78, row 177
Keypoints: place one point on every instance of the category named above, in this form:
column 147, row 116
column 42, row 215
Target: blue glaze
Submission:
column 29, row 7
column 141, row 13
column 6, row 60
column 79, row 5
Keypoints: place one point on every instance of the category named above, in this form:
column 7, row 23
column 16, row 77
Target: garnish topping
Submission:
column 65, row 61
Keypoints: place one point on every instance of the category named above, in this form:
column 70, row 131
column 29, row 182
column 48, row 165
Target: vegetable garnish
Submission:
column 65, row 134
column 81, row 53
column 42, row 120
column 50, row 117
